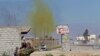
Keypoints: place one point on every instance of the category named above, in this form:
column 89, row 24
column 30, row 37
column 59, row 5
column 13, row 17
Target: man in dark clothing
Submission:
column 16, row 52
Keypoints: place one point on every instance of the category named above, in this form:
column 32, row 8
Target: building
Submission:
column 91, row 39
column 10, row 38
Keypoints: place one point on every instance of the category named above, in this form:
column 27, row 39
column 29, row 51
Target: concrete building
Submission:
column 10, row 38
column 91, row 39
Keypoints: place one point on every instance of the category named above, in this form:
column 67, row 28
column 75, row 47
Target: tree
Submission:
column 99, row 36
column 42, row 21
column 85, row 34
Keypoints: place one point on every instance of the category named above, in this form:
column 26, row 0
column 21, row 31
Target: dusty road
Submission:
column 76, row 51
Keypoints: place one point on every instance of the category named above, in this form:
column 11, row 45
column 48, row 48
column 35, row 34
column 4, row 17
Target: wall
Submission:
column 9, row 39
column 50, row 43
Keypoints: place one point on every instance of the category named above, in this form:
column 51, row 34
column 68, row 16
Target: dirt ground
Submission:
column 67, row 53
column 58, row 53
column 76, row 51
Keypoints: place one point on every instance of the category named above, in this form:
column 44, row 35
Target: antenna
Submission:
column 10, row 18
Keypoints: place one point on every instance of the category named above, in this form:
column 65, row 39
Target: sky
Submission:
column 78, row 14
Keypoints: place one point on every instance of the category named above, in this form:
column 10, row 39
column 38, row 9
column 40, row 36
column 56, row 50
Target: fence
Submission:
column 50, row 43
